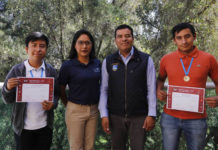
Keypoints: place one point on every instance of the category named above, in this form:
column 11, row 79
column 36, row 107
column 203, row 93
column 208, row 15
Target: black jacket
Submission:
column 127, row 85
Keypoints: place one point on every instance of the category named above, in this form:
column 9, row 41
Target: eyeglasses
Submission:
column 87, row 43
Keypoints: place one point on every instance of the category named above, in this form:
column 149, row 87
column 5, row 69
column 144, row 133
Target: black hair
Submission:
column 34, row 36
column 181, row 26
column 73, row 52
column 123, row 26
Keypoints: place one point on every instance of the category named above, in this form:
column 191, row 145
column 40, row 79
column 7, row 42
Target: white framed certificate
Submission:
column 35, row 89
column 185, row 98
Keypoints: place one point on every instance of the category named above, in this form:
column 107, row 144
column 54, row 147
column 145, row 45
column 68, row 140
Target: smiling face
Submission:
column 184, row 41
column 36, row 50
column 83, row 46
column 124, row 40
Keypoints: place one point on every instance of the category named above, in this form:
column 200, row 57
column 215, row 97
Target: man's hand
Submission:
column 12, row 83
column 105, row 125
column 212, row 101
column 149, row 123
column 46, row 105
column 162, row 95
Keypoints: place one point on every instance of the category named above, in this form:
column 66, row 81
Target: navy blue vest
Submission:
column 127, row 85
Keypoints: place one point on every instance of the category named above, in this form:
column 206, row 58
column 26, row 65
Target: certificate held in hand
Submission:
column 35, row 89
column 185, row 98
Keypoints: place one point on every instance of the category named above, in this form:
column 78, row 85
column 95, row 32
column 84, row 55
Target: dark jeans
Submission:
column 39, row 139
column 122, row 128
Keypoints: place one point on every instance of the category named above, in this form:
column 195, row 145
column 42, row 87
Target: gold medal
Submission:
column 186, row 78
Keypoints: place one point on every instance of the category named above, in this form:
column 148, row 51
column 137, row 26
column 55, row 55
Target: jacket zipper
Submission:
column 125, row 92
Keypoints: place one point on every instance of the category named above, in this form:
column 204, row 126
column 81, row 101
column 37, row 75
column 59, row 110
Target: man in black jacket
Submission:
column 128, row 99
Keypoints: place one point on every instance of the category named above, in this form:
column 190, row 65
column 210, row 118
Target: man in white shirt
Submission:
column 32, row 121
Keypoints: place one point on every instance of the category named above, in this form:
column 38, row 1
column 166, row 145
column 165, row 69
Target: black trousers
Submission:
column 39, row 139
column 123, row 128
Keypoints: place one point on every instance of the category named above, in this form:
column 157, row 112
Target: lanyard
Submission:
column 186, row 72
column 31, row 73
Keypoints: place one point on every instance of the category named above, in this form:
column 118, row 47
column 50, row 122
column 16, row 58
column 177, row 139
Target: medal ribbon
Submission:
column 31, row 73
column 186, row 72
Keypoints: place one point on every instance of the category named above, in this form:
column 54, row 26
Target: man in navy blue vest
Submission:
column 128, row 93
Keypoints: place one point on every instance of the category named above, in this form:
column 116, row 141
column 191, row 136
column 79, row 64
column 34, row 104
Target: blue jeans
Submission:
column 194, row 131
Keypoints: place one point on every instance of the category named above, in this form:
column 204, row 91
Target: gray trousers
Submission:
column 124, row 128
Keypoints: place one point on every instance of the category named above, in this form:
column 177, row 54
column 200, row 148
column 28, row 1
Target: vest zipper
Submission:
column 125, row 92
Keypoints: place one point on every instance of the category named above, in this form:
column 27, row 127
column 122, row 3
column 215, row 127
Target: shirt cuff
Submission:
column 103, row 113
column 152, row 113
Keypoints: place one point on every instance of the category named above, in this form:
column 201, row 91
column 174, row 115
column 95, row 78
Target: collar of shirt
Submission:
column 126, row 59
column 29, row 67
column 194, row 53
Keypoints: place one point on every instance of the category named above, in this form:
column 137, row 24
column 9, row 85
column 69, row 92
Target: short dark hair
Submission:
column 123, row 26
column 73, row 52
column 34, row 36
column 181, row 26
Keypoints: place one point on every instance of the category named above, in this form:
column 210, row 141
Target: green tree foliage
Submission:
column 158, row 18
column 60, row 19
column 6, row 134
